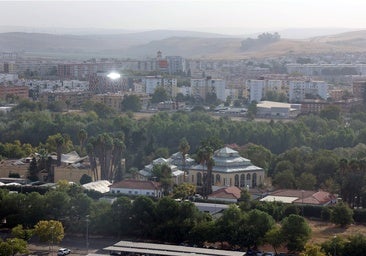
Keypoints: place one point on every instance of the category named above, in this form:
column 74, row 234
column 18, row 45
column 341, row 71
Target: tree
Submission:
column 285, row 179
column 204, row 157
column 312, row 250
column 335, row 246
column 85, row 179
column 274, row 237
column 50, row 231
column 184, row 190
column 341, row 215
column 21, row 233
column 143, row 216
column 163, row 174
column 13, row 246
column 296, row 232
column 227, row 225
column 252, row 110
column 257, row 225
column 306, row 181
column 184, row 149
column 331, row 112
column 121, row 210
column 33, row 170
column 159, row 95
column 356, row 245
column 82, row 135
column 131, row 103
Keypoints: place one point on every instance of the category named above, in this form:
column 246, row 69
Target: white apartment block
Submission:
column 256, row 88
column 57, row 85
column 8, row 77
column 202, row 86
column 326, row 69
column 152, row 82
column 259, row 88
column 176, row 64
column 299, row 90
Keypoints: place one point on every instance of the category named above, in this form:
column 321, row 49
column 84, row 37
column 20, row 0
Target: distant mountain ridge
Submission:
column 188, row 44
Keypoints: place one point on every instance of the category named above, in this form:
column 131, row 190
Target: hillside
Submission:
column 185, row 43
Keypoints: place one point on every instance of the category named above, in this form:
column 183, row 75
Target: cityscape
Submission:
column 139, row 136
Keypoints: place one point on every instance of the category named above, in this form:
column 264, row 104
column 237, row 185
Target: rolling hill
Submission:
column 184, row 43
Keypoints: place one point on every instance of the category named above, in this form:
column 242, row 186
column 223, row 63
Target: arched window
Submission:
column 218, row 179
column 199, row 179
column 242, row 180
column 254, row 180
column 236, row 182
column 248, row 176
column 212, row 180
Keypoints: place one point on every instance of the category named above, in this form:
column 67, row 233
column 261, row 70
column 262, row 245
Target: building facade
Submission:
column 230, row 169
column 300, row 90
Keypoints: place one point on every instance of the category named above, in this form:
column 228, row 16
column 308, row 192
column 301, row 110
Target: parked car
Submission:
column 269, row 254
column 63, row 251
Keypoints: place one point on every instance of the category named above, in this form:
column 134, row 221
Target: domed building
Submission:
column 230, row 169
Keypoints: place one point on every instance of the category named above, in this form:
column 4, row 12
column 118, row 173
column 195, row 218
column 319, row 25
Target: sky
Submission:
column 220, row 16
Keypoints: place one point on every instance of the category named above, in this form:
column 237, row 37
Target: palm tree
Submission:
column 92, row 160
column 184, row 149
column 83, row 135
column 60, row 141
column 117, row 169
column 204, row 156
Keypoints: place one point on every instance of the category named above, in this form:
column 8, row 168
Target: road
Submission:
column 77, row 245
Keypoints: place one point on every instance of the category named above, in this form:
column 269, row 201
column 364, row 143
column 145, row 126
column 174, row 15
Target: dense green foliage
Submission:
column 311, row 152
column 164, row 220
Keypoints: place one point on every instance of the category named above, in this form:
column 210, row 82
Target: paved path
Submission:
column 77, row 245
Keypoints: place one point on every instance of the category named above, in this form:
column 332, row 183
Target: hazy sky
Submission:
column 209, row 15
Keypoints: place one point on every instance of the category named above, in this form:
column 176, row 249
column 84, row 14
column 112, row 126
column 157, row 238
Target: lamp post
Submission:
column 302, row 202
column 52, row 228
column 87, row 234
column 335, row 245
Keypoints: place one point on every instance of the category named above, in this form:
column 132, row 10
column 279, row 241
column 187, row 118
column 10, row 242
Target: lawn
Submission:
column 322, row 231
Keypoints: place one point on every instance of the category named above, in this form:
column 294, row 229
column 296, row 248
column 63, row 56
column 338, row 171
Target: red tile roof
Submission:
column 306, row 196
column 163, row 64
column 229, row 192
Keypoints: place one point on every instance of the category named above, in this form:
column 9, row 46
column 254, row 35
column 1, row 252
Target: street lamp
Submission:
column 335, row 245
column 87, row 234
column 52, row 228
column 302, row 202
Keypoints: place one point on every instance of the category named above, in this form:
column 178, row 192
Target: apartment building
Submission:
column 300, row 90
column 202, row 86
column 259, row 88
column 22, row 92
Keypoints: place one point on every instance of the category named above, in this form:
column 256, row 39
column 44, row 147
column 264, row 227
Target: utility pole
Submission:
column 87, row 234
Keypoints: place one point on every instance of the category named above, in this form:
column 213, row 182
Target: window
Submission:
column 254, row 180
column 147, row 193
column 236, row 180
column 199, row 179
column 248, row 176
column 242, row 180
column 218, row 179
column 136, row 192
column 130, row 192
